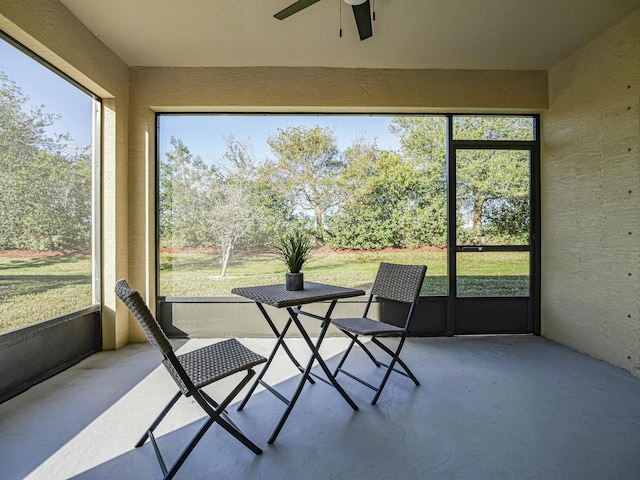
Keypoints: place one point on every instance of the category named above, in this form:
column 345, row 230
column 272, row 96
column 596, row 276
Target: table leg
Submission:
column 280, row 337
column 315, row 350
column 315, row 355
column 279, row 342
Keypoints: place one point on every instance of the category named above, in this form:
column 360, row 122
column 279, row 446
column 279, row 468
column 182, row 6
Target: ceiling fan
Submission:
column 361, row 12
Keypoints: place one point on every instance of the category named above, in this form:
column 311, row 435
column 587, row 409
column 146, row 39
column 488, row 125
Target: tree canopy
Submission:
column 305, row 170
column 45, row 191
column 362, row 197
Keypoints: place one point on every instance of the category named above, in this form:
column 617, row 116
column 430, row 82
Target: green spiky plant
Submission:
column 294, row 249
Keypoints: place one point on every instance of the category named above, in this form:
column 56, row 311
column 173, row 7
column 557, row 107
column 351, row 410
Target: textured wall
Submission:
column 50, row 30
column 337, row 89
column 591, row 198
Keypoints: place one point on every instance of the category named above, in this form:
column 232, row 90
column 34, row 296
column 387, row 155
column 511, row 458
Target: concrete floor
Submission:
column 488, row 408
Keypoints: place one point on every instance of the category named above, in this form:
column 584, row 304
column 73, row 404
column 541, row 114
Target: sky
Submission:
column 46, row 88
column 205, row 135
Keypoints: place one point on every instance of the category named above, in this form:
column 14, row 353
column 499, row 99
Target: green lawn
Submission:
column 491, row 274
column 197, row 274
column 33, row 289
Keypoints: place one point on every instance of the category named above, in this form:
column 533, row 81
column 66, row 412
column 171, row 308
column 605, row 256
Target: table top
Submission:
column 278, row 296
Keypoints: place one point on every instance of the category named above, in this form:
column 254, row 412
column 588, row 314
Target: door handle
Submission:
column 469, row 249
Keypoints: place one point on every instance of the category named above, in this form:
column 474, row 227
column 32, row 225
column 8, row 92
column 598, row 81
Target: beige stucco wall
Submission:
column 49, row 29
column 591, row 199
column 336, row 89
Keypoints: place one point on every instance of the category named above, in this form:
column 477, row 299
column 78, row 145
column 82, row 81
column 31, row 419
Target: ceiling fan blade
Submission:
column 362, row 13
column 295, row 8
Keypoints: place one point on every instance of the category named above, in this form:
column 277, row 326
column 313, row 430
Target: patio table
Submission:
column 278, row 297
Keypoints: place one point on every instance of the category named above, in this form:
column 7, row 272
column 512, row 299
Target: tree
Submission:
column 383, row 203
column 203, row 206
column 233, row 212
column 275, row 210
column 184, row 194
column 306, row 170
column 45, row 191
column 492, row 186
column 423, row 143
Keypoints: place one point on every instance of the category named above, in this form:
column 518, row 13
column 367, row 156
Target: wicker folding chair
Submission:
column 192, row 371
column 401, row 283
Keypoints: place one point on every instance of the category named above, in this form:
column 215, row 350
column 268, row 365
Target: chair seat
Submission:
column 211, row 363
column 366, row 326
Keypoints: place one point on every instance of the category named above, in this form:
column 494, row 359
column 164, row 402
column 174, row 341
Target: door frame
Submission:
column 485, row 307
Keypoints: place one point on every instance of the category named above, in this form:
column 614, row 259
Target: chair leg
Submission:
column 395, row 357
column 390, row 368
column 407, row 372
column 158, row 419
column 355, row 339
column 216, row 413
column 214, row 404
column 344, row 356
column 383, row 383
column 368, row 352
column 188, row 449
column 215, row 416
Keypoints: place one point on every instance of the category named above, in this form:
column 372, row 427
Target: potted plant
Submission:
column 293, row 249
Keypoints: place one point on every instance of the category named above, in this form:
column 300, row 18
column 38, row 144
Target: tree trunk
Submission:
column 226, row 254
column 478, row 202
column 319, row 225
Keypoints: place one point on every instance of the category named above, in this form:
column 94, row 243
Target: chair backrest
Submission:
column 133, row 300
column 401, row 283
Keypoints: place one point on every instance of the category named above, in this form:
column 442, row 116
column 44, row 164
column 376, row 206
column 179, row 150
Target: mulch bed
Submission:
column 35, row 254
column 64, row 253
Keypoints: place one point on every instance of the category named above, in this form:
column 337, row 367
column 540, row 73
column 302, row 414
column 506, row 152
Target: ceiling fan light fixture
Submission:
column 361, row 12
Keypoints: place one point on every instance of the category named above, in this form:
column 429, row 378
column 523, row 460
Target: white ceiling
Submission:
column 448, row 34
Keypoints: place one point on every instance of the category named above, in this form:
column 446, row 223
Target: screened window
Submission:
column 364, row 189
column 48, row 177
column 493, row 127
